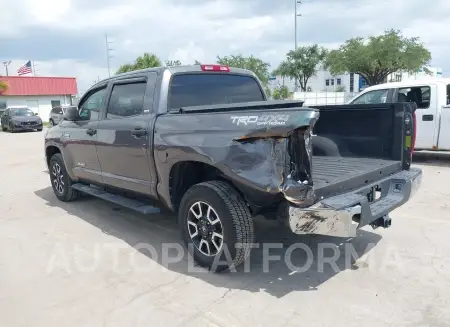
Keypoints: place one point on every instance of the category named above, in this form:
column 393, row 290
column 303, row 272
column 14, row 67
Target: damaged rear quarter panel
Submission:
column 250, row 148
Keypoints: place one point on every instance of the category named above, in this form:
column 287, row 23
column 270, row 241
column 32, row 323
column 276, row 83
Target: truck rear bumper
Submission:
column 343, row 214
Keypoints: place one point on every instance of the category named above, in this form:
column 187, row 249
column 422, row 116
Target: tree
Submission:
column 170, row 63
column 302, row 63
column 256, row 65
column 148, row 60
column 378, row 56
column 3, row 87
column 281, row 93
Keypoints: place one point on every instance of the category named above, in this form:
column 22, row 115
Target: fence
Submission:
column 323, row 98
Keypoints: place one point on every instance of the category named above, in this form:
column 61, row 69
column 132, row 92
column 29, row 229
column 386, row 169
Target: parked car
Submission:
column 57, row 115
column 432, row 97
column 203, row 141
column 20, row 119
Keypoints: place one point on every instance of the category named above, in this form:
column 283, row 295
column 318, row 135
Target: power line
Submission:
column 108, row 56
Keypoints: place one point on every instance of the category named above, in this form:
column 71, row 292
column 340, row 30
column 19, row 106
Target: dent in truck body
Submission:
column 264, row 161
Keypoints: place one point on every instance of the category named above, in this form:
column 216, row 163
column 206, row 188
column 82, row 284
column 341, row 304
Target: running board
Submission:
column 117, row 199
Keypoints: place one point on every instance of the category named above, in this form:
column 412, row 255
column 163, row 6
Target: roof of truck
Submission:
column 174, row 70
column 394, row 85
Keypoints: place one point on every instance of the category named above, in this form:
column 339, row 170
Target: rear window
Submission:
column 209, row 89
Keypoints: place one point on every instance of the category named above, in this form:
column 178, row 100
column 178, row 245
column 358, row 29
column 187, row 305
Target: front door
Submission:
column 426, row 114
column 80, row 137
column 444, row 130
column 124, row 136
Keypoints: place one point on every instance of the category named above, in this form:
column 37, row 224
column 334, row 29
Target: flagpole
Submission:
column 32, row 63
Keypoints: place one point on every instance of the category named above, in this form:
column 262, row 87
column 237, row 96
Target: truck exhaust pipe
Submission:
column 384, row 222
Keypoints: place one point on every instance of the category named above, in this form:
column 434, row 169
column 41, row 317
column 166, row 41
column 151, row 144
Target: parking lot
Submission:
column 83, row 264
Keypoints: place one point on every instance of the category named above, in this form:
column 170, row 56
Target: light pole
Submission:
column 108, row 56
column 6, row 63
column 296, row 14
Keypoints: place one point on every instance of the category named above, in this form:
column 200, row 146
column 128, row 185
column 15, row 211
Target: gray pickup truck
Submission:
column 204, row 141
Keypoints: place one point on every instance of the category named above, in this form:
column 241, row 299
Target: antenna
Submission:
column 108, row 56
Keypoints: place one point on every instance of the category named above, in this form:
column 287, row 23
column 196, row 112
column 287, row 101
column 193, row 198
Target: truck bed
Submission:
column 334, row 175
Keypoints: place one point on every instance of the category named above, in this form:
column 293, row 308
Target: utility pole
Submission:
column 34, row 67
column 296, row 14
column 108, row 56
column 6, row 63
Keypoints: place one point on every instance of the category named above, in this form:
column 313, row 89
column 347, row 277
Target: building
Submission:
column 40, row 94
column 350, row 83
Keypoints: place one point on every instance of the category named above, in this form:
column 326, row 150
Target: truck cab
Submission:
column 432, row 97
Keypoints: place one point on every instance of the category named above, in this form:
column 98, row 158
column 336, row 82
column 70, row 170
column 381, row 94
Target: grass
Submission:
column 46, row 124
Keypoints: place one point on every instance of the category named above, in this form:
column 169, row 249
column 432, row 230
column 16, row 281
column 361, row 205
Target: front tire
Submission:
column 61, row 182
column 216, row 225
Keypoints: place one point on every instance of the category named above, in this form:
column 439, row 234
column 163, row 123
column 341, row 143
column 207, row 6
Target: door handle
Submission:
column 427, row 117
column 91, row 131
column 139, row 132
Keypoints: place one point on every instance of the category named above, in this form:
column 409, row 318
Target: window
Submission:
column 448, row 94
column 338, row 81
column 352, row 82
column 57, row 110
column 209, row 89
column 55, row 103
column 372, row 97
column 327, row 82
column 126, row 100
column 21, row 112
column 419, row 94
column 92, row 104
column 3, row 104
column 332, row 82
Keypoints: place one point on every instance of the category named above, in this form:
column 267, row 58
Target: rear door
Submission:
column 125, row 134
column 427, row 119
column 444, row 128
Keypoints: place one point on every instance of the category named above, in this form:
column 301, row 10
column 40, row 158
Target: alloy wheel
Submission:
column 58, row 178
column 205, row 228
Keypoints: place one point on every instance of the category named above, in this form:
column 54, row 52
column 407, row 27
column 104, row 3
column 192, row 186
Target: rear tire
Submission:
column 214, row 213
column 61, row 182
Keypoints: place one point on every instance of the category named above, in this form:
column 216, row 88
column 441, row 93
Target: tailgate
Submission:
column 355, row 145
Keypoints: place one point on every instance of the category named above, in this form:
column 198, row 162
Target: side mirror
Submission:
column 36, row 114
column 72, row 114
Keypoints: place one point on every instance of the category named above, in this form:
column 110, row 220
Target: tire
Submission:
column 61, row 182
column 39, row 129
column 52, row 123
column 4, row 128
column 11, row 128
column 235, row 225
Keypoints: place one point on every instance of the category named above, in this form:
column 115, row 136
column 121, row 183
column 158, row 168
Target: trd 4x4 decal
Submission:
column 260, row 120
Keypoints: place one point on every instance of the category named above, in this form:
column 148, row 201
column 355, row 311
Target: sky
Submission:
column 67, row 37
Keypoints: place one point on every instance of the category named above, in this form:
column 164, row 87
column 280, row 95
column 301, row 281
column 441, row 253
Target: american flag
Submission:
column 25, row 69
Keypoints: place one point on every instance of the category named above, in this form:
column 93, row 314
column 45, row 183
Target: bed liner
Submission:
column 334, row 175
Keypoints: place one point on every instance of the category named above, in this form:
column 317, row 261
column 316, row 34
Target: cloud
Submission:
column 67, row 37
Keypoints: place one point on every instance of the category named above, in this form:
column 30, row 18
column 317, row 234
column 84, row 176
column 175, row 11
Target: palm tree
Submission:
column 148, row 60
column 3, row 87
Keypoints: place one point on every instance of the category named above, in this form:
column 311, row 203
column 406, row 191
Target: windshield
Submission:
column 209, row 89
column 21, row 112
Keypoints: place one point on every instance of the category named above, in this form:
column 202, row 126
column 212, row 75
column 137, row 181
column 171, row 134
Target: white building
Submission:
column 352, row 83
column 40, row 94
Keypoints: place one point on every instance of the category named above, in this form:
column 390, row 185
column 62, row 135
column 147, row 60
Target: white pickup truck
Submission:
column 432, row 97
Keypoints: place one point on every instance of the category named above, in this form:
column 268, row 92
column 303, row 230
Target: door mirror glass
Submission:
column 72, row 114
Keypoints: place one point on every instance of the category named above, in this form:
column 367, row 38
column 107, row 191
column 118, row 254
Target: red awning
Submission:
column 19, row 85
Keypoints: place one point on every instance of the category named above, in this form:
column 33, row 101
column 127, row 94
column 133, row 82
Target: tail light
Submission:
column 215, row 68
column 414, row 133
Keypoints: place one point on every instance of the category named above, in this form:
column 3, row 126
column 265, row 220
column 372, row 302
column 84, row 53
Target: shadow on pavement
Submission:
column 155, row 230
column 432, row 158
